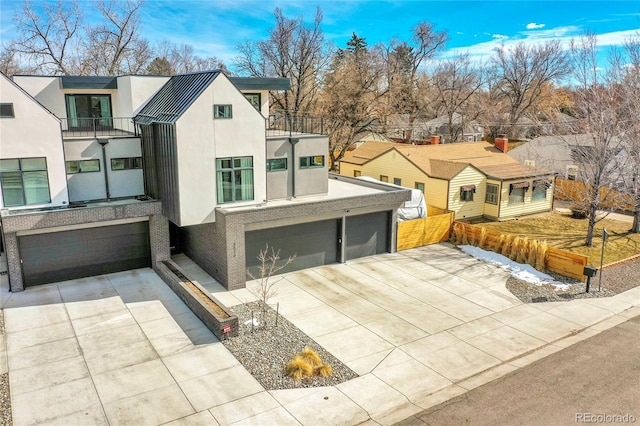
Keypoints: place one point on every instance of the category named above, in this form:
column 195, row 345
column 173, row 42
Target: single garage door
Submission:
column 314, row 244
column 367, row 234
column 60, row 256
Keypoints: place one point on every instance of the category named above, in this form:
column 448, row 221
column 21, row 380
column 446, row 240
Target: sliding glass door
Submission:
column 89, row 112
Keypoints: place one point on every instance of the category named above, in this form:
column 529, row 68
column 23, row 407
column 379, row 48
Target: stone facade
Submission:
column 15, row 222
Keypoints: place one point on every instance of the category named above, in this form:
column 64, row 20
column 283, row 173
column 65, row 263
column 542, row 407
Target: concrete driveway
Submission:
column 419, row 326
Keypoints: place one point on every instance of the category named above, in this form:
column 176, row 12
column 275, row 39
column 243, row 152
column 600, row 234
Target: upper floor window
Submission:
column 222, row 111
column 255, row 99
column 492, row 194
column 82, row 166
column 384, row 178
column 88, row 112
column 235, row 179
column 420, row 186
column 6, row 110
column 130, row 163
column 276, row 164
column 466, row 192
column 397, row 181
column 313, row 161
column 572, row 172
column 24, row 181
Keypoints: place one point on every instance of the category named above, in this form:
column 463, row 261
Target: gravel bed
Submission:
column 5, row 400
column 264, row 352
column 615, row 279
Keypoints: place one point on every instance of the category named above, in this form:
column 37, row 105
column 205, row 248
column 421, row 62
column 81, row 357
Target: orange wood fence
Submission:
column 568, row 190
column 434, row 228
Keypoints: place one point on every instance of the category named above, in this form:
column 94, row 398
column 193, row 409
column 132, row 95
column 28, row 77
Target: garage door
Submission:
column 314, row 244
column 367, row 234
column 59, row 256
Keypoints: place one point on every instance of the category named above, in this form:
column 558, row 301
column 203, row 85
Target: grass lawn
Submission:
column 563, row 232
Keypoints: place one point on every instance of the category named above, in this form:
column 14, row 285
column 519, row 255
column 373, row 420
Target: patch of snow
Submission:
column 255, row 322
column 518, row 270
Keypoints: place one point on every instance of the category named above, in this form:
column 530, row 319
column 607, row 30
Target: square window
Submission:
column 6, row 110
column 384, row 178
column 420, row 186
column 72, row 167
column 397, row 181
column 357, row 173
column 255, row 99
column 222, row 111
column 466, row 192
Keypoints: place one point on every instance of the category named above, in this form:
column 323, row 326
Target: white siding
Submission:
column 85, row 186
column 124, row 183
column 528, row 207
column 33, row 132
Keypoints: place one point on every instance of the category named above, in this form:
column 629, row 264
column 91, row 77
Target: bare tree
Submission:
column 405, row 75
column 456, row 82
column 520, row 75
column 293, row 50
column 55, row 41
column 600, row 112
column 270, row 265
column 351, row 91
column 171, row 58
column 9, row 63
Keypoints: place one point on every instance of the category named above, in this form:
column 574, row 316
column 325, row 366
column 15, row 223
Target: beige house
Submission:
column 472, row 179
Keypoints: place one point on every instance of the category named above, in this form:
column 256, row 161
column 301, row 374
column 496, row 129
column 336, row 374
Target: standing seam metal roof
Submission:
column 175, row 97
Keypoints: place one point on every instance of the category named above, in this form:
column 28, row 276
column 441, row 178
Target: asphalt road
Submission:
column 594, row 381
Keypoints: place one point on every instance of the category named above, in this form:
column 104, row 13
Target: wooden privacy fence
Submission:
column 555, row 260
column 434, row 228
column 568, row 190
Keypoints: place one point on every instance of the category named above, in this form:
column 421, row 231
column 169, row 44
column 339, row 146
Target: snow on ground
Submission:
column 518, row 270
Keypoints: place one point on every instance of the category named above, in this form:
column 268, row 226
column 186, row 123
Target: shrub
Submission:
column 311, row 356
column 306, row 364
column 324, row 370
column 482, row 241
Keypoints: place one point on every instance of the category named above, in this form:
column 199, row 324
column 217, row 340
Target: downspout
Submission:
column 103, row 143
column 293, row 142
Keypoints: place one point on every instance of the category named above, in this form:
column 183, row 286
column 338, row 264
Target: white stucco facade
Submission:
column 20, row 137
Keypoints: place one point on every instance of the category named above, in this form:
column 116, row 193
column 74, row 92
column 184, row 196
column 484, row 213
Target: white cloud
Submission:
column 499, row 36
column 534, row 26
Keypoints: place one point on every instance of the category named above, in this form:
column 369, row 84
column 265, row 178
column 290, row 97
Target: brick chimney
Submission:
column 502, row 143
column 435, row 140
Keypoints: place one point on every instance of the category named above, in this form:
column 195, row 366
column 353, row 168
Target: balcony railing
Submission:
column 281, row 124
column 94, row 127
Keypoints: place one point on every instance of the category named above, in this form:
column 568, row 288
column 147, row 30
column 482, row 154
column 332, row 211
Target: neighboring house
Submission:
column 120, row 169
column 472, row 179
column 424, row 130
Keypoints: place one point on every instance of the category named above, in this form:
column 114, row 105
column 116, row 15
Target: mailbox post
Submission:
column 589, row 271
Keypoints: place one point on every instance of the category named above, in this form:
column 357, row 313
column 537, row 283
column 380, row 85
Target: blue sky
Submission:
column 215, row 27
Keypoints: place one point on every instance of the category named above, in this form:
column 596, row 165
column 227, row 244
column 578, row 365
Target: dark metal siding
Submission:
column 367, row 234
column 166, row 161
column 60, row 256
column 314, row 244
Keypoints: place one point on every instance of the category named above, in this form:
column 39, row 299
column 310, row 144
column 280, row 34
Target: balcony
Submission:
column 96, row 127
column 281, row 124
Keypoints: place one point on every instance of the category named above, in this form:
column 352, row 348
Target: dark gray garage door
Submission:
column 59, row 256
column 314, row 244
column 367, row 234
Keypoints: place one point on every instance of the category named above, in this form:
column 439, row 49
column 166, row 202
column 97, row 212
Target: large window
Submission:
column 276, row 164
column 516, row 192
column 255, row 100
column 492, row 194
column 466, row 192
column 24, row 181
column 130, row 163
column 6, row 111
column 82, row 166
column 222, row 111
column 235, row 179
column 540, row 190
column 89, row 111
column 313, row 161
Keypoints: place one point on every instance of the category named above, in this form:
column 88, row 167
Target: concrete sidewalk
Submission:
column 419, row 327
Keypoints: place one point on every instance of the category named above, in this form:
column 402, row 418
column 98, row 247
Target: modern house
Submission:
column 120, row 169
column 474, row 179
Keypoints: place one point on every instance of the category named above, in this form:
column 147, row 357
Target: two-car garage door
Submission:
column 65, row 255
column 319, row 243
